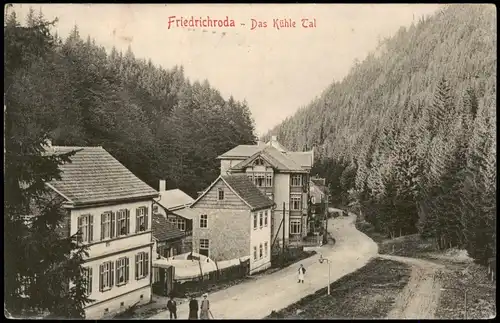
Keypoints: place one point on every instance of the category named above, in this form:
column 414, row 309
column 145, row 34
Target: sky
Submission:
column 275, row 70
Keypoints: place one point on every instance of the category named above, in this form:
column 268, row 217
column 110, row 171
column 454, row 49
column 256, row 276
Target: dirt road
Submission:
column 419, row 299
column 256, row 299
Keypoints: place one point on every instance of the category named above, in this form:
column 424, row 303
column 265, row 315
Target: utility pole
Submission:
column 283, row 250
column 325, row 234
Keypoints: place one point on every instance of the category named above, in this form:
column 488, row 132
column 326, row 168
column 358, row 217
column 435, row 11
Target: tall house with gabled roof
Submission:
column 233, row 221
column 280, row 174
column 111, row 210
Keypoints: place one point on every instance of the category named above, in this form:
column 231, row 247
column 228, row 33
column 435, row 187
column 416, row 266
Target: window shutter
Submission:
column 80, row 222
column 111, row 273
column 137, row 213
column 102, row 226
column 101, row 277
column 136, row 267
column 91, row 228
column 126, row 270
column 127, row 213
column 146, row 217
column 89, row 282
column 146, row 263
column 117, row 266
column 112, row 225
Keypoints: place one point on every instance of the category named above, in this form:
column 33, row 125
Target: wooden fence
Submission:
column 185, row 287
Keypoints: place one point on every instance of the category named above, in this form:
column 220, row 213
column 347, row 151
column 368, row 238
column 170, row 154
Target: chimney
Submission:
column 163, row 185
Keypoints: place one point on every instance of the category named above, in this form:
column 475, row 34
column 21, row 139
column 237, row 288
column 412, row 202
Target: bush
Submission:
column 292, row 255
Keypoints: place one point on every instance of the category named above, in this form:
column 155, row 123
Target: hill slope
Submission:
column 153, row 120
column 410, row 132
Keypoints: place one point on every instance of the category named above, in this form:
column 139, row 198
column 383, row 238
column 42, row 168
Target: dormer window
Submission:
column 220, row 194
column 259, row 162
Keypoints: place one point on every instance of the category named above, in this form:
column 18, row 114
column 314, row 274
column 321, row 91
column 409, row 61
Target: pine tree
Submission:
column 442, row 108
column 471, row 102
column 43, row 270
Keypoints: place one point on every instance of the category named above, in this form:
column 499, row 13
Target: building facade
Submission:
column 233, row 220
column 173, row 205
column 318, row 202
column 110, row 210
column 281, row 175
column 168, row 238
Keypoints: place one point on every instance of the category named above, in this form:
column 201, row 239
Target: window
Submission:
column 141, row 219
column 250, row 177
column 259, row 162
column 122, row 276
column 254, row 253
column 269, row 180
column 86, row 228
column 204, row 247
column 123, row 222
column 179, row 222
column 261, row 219
column 254, row 221
column 260, row 180
column 155, row 209
column 107, row 225
column 220, row 195
column 88, row 280
column 265, row 249
column 203, row 221
column 295, row 226
column 141, row 265
column 106, row 276
column 265, row 218
column 296, row 180
column 295, row 205
column 261, row 251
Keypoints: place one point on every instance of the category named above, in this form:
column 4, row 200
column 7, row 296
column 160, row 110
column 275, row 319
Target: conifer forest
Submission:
column 409, row 136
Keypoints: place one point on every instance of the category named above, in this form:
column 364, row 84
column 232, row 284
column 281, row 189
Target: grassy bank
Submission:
column 366, row 293
column 460, row 272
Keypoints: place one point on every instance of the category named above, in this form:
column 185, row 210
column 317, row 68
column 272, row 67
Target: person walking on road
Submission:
column 193, row 309
column 302, row 272
column 172, row 307
column 205, row 308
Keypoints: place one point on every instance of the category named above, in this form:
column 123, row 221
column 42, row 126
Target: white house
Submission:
column 111, row 209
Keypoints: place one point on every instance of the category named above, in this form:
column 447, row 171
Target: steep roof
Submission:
column 95, row 176
column 163, row 230
column 174, row 198
column 277, row 145
column 320, row 188
column 318, row 181
column 244, row 189
column 242, row 151
column 272, row 155
column 302, row 158
column 186, row 212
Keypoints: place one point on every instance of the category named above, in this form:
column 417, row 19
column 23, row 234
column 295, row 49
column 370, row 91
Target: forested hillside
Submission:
column 409, row 134
column 153, row 120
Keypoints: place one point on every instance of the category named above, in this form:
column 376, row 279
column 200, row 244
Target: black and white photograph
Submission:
column 250, row 161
